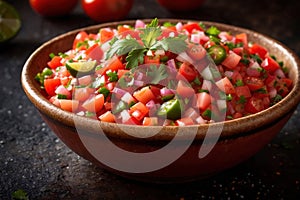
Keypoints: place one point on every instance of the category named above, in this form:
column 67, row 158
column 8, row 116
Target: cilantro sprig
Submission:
column 135, row 51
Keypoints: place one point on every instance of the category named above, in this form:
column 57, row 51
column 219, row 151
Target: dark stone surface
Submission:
column 33, row 159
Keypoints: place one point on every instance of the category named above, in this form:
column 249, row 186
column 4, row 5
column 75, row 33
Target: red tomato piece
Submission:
column 242, row 38
column 184, row 90
column 192, row 26
column 139, row 111
column 253, row 83
column 258, row 50
column 270, row 64
column 243, row 91
column 55, row 62
column 107, row 117
column 69, row 104
column 196, row 52
column 232, row 60
column 144, row 95
column 51, row 85
column 95, row 52
column 187, row 71
column 80, row 37
column 152, row 59
column 254, row 105
column 203, row 100
column 106, row 34
column 184, row 121
column 225, row 85
column 94, row 104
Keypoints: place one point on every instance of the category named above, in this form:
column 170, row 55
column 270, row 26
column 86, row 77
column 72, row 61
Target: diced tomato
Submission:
column 121, row 72
column 196, row 52
column 192, row 26
column 51, row 85
column 80, row 37
column 55, row 62
column 123, row 28
column 288, row 82
column 254, row 83
column 105, row 35
column 242, row 38
column 203, row 100
column 82, row 94
column 225, row 85
column 151, row 59
column 150, row 121
column 236, row 76
column 243, row 91
column 114, row 64
column 144, row 95
column 184, row 90
column 232, row 60
column 187, row 71
column 254, row 105
column 184, row 121
column 258, row 50
column 94, row 104
column 139, row 111
column 107, row 117
column 69, row 104
column 95, row 52
column 270, row 64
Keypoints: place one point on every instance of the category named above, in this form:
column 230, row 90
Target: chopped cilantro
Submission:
column 61, row 96
column 242, row 100
column 213, row 31
column 157, row 73
column 256, row 58
column 104, row 91
column 239, row 83
column 149, row 35
column 112, row 76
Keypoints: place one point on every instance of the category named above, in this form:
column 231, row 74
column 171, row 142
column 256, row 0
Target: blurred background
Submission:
column 34, row 164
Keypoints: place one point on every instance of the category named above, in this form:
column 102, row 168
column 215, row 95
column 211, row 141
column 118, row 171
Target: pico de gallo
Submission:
column 164, row 74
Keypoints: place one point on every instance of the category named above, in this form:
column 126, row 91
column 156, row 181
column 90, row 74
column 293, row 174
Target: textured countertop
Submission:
column 33, row 159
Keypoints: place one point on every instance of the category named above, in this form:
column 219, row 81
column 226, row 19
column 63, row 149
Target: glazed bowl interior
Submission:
column 232, row 128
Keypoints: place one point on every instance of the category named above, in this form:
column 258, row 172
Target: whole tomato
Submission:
column 51, row 8
column 106, row 10
column 181, row 5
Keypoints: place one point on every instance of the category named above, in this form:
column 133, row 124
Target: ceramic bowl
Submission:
column 172, row 154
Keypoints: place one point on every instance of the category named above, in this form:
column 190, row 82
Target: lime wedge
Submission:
column 10, row 22
column 81, row 68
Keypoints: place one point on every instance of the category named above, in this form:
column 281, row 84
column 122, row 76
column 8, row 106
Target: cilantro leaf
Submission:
column 153, row 23
column 213, row 31
column 134, row 58
column 157, row 73
column 149, row 36
column 174, row 44
column 122, row 47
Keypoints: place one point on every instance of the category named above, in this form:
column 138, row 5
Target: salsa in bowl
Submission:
column 207, row 88
column 170, row 74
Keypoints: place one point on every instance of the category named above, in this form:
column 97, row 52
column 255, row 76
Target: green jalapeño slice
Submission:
column 170, row 109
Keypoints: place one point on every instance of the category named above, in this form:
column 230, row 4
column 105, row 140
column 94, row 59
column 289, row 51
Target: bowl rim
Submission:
column 230, row 128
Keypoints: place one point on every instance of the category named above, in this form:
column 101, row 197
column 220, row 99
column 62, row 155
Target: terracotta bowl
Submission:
column 163, row 154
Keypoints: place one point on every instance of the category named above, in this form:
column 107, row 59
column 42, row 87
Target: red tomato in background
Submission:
column 180, row 5
column 106, row 10
column 51, row 8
